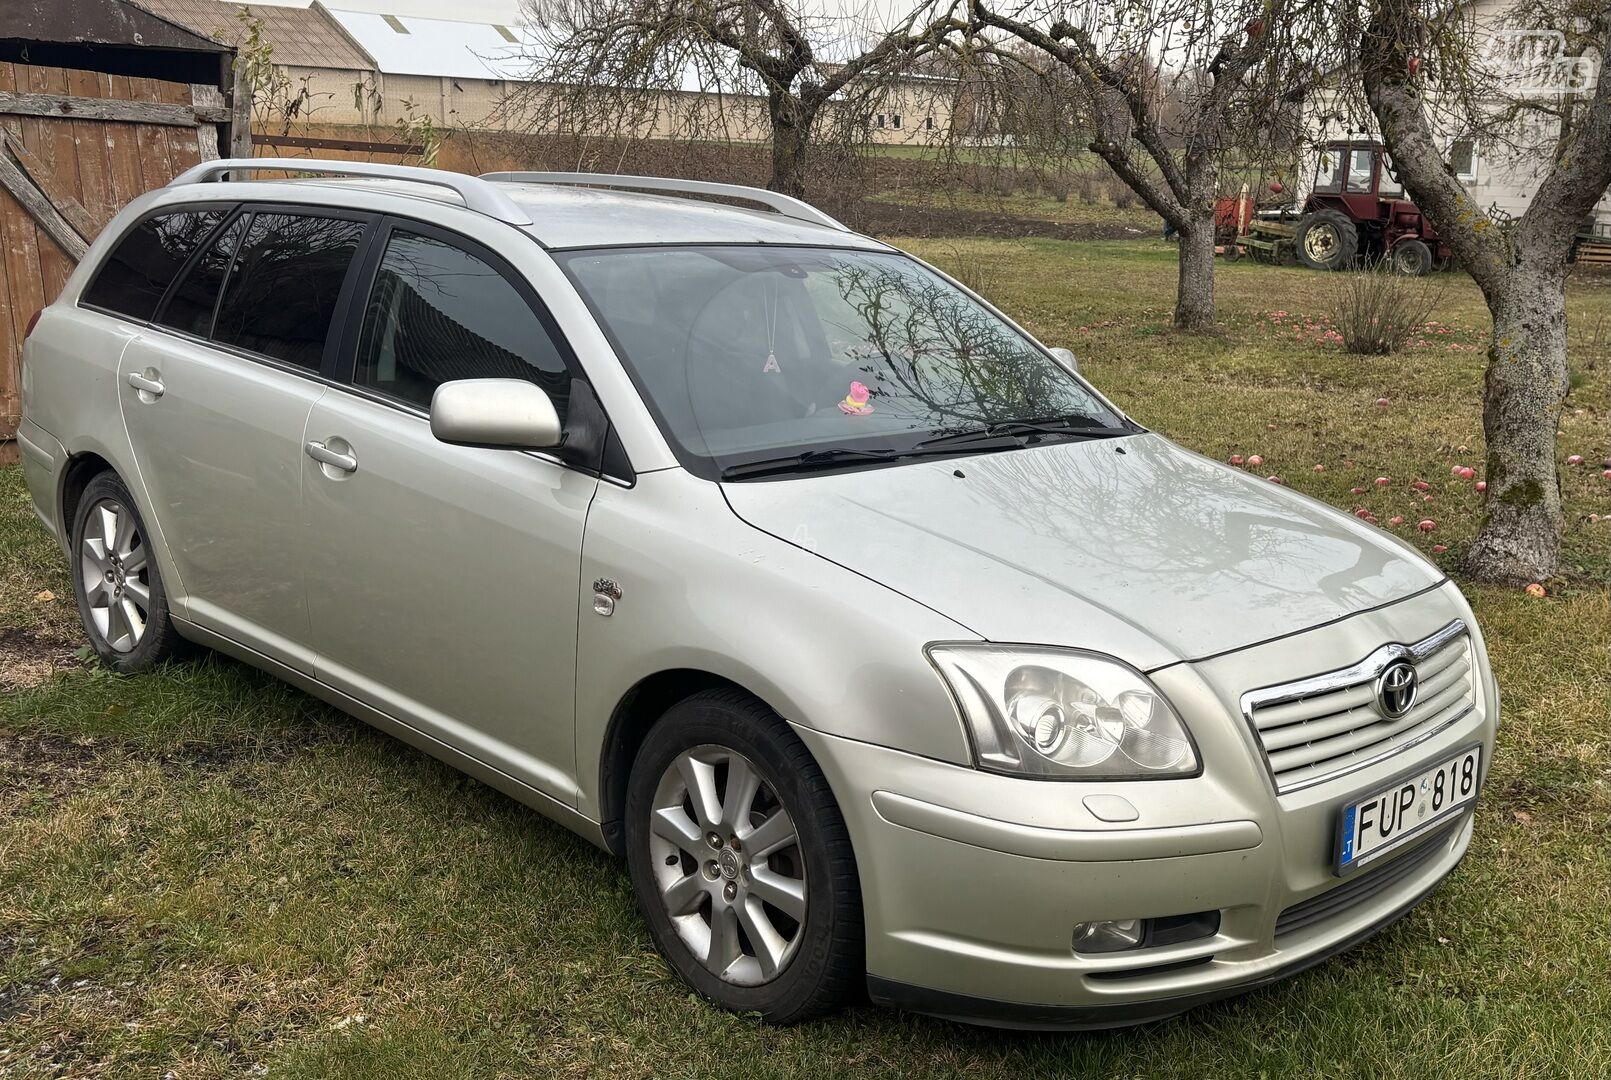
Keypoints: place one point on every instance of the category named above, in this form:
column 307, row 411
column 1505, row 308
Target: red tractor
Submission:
column 1355, row 210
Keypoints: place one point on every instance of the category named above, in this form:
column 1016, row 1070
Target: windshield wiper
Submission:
column 1026, row 428
column 825, row 458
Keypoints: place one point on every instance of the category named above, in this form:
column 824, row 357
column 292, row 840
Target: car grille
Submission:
column 1317, row 728
column 1361, row 887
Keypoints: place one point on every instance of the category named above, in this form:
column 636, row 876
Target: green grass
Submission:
column 1071, row 211
column 206, row 873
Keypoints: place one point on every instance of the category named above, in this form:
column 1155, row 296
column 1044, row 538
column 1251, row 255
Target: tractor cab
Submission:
column 1358, row 170
column 1357, row 209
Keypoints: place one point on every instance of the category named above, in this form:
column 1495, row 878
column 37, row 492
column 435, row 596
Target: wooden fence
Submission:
column 75, row 146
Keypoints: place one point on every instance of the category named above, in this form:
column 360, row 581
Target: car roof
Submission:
column 570, row 217
column 562, row 210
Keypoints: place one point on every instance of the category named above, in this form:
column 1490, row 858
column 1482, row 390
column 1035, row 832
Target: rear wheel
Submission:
column 121, row 598
column 740, row 860
column 1327, row 240
column 1412, row 257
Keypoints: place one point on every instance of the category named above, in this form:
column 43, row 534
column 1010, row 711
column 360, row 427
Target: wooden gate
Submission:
column 75, row 146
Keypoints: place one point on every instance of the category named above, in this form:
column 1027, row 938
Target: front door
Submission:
column 443, row 582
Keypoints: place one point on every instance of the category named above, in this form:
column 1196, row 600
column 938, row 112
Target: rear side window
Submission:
column 281, row 294
column 190, row 308
column 438, row 313
column 148, row 258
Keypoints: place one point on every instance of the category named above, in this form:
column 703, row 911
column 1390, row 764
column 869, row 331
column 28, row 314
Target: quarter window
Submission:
column 282, row 291
column 148, row 258
column 438, row 313
column 190, row 308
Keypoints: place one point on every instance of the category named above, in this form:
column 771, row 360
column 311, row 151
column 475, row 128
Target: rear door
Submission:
column 216, row 394
column 443, row 581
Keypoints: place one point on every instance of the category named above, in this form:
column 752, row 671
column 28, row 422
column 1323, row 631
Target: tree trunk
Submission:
column 1194, row 296
column 791, row 136
column 1520, row 538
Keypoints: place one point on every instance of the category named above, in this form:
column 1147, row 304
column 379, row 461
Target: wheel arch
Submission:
column 638, row 710
column 81, row 468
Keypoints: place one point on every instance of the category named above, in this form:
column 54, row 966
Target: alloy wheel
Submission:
column 116, row 575
column 727, row 865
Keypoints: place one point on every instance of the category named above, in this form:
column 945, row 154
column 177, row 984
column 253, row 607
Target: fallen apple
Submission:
column 1396, row 519
column 1482, row 485
column 1427, row 525
column 1383, row 481
column 1535, row 590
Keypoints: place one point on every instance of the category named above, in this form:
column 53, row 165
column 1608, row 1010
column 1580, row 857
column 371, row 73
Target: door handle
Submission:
column 153, row 387
column 321, row 453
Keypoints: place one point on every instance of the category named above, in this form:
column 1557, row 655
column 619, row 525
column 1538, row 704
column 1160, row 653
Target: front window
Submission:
column 752, row 356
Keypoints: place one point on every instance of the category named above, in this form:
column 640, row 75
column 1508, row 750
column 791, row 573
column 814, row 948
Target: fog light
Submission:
column 1109, row 935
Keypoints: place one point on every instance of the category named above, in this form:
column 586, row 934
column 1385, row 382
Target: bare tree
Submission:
column 720, row 69
column 1173, row 85
column 1427, row 72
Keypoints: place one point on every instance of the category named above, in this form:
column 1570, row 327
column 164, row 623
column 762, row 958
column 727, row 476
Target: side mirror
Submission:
column 505, row 413
column 1068, row 358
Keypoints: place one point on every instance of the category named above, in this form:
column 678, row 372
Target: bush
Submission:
column 970, row 268
column 1088, row 186
column 1376, row 310
column 1123, row 197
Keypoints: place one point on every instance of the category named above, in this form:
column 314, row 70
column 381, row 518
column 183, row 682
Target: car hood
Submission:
column 1131, row 547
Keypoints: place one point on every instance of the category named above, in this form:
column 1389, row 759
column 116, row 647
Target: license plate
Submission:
column 1394, row 815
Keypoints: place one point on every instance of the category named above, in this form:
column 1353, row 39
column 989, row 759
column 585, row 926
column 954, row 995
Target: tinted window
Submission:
column 438, row 313
column 147, row 259
column 190, row 308
column 282, row 292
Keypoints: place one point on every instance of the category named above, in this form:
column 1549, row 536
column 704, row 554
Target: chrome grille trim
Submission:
column 1282, row 715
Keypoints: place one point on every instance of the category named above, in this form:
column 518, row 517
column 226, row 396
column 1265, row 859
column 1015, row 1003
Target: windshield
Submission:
column 750, row 354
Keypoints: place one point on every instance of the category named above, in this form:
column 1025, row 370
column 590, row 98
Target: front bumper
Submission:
column 973, row 883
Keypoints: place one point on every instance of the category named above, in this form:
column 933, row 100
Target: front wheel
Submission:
column 1412, row 257
column 740, row 860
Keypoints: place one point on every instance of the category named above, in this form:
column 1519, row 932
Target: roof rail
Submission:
column 786, row 205
column 478, row 195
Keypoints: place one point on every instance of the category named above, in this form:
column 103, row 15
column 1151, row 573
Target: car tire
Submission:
column 1412, row 257
column 121, row 599
column 1326, row 240
column 707, row 861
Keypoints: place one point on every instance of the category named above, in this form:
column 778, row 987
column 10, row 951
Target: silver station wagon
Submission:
column 891, row 656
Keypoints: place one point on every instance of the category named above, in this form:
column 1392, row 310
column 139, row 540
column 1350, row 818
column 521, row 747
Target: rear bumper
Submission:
column 43, row 459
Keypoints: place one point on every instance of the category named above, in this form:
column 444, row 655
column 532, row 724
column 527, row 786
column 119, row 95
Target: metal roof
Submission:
column 407, row 45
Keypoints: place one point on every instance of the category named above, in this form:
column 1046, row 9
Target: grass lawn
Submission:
column 1071, row 211
column 204, row 873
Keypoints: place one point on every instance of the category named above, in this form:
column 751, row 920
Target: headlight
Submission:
column 1058, row 714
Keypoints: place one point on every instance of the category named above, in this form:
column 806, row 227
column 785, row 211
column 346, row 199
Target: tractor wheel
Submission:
column 1326, row 240
column 1412, row 257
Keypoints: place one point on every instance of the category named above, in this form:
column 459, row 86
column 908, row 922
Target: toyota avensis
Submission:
column 886, row 650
